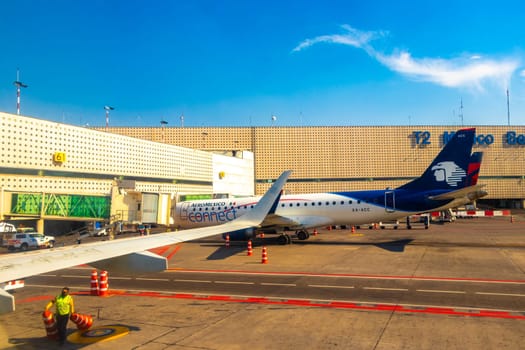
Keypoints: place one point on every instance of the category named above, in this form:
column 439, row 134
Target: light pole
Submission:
column 18, row 85
column 108, row 108
column 163, row 124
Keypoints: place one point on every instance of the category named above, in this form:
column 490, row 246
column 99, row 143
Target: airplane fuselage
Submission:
column 304, row 211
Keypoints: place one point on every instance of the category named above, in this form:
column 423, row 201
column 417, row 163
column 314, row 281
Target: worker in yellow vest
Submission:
column 64, row 308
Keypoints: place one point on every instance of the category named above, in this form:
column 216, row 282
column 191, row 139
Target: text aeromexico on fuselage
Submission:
column 449, row 181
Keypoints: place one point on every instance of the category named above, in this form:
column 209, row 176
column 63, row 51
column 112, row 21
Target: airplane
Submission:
column 449, row 181
column 129, row 255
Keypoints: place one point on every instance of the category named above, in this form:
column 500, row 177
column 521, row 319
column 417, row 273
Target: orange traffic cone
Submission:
column 50, row 324
column 227, row 241
column 261, row 235
column 103, row 290
column 264, row 256
column 94, row 283
column 250, row 251
column 315, row 232
column 82, row 321
column 511, row 219
column 353, row 229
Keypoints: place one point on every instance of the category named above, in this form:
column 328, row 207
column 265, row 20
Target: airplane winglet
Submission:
column 268, row 202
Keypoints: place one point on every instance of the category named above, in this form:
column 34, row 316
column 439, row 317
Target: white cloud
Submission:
column 460, row 72
column 351, row 37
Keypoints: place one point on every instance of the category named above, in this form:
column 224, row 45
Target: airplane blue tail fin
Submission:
column 451, row 168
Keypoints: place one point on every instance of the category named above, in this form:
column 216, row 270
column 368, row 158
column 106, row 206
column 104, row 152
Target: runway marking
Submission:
column 345, row 275
column 279, row 284
column 196, row 281
column 391, row 289
column 121, row 278
column 177, row 247
column 342, row 304
column 152, row 279
column 233, row 282
column 501, row 294
column 441, row 291
column 328, row 286
column 72, row 276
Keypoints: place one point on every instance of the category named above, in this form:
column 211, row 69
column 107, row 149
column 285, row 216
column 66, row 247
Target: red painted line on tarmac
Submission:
column 160, row 250
column 175, row 250
column 309, row 303
column 37, row 298
column 291, row 273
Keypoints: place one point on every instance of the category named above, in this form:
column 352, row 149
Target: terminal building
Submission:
column 57, row 177
column 339, row 158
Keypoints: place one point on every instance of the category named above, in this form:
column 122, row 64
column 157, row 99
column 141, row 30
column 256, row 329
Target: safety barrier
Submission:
column 250, row 250
column 50, row 324
column 82, row 321
column 103, row 289
column 94, row 283
column 264, row 256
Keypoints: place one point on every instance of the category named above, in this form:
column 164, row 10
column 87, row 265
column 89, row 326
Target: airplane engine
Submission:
column 241, row 235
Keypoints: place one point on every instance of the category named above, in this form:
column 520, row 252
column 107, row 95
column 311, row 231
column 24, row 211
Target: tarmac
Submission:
column 488, row 248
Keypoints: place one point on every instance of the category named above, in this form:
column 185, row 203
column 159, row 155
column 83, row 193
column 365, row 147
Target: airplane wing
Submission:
column 295, row 222
column 124, row 254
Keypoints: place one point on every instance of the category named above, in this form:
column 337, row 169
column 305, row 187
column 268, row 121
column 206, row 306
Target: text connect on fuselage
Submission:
column 219, row 216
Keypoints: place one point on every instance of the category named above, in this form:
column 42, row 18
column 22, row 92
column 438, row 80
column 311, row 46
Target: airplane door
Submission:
column 390, row 201
column 184, row 210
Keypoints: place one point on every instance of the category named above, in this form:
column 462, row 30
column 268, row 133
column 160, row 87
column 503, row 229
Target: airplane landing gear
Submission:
column 302, row 235
column 284, row 239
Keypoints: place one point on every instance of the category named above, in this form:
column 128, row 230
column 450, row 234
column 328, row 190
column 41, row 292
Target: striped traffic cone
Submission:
column 250, row 251
column 353, row 229
column 227, row 241
column 82, row 321
column 264, row 256
column 103, row 290
column 50, row 324
column 94, row 283
column 315, row 232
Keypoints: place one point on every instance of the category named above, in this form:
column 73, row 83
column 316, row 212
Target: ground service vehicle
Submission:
column 30, row 240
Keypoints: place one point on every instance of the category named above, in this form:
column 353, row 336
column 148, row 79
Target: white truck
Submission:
column 6, row 230
column 29, row 239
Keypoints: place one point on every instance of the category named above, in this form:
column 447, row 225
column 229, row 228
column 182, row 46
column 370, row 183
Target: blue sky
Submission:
column 238, row 63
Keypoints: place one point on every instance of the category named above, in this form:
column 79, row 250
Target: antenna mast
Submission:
column 461, row 111
column 508, row 107
column 18, row 85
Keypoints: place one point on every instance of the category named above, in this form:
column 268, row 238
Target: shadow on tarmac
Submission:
column 223, row 252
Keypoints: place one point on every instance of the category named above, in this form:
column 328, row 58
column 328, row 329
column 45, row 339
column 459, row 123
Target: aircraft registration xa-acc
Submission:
column 128, row 255
column 449, row 181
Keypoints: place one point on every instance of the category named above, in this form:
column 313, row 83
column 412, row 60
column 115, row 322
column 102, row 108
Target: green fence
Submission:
column 64, row 205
